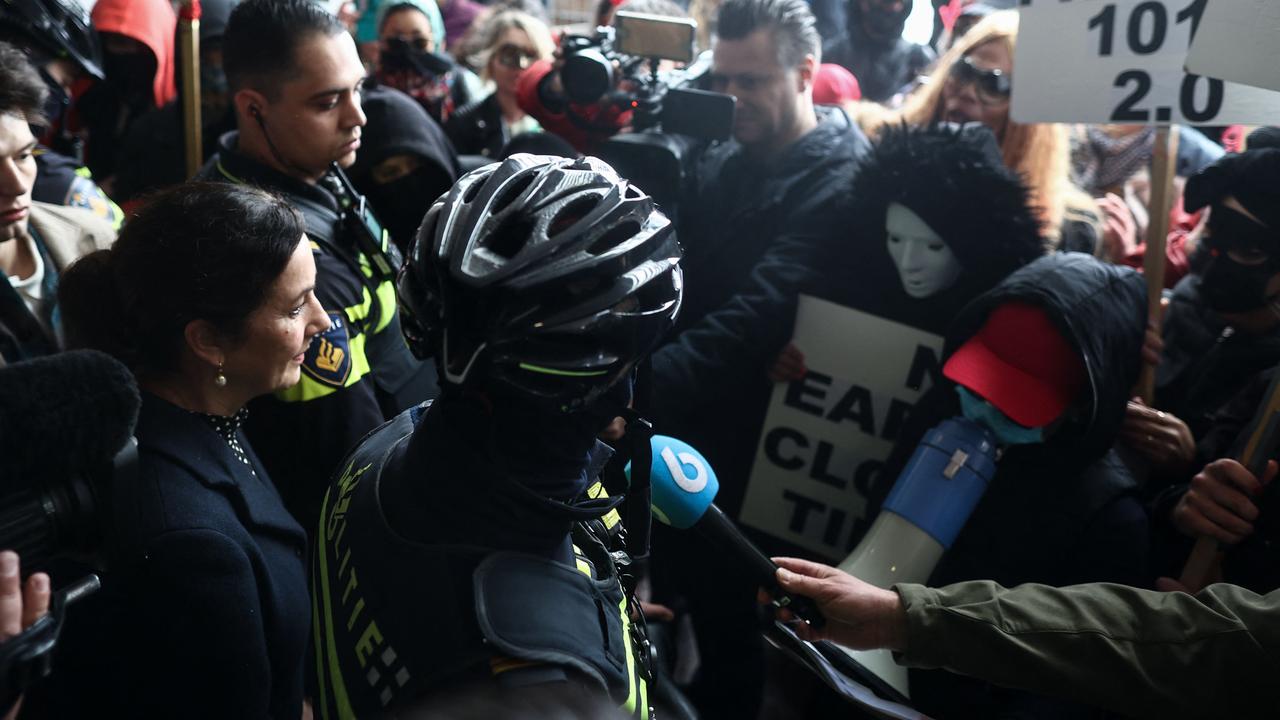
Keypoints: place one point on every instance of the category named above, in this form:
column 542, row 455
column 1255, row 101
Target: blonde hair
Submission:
column 491, row 29
column 1039, row 152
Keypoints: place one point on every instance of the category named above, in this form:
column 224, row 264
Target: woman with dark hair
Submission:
column 208, row 298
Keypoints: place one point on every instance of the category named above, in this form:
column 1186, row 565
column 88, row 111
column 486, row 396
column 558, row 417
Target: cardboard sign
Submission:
column 1239, row 41
column 1122, row 61
column 827, row 435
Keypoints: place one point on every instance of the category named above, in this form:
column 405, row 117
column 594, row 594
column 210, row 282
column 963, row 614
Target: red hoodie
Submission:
column 150, row 22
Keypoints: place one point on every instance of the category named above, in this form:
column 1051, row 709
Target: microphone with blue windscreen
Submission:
column 684, row 487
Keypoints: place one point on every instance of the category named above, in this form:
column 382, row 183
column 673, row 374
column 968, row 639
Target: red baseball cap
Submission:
column 834, row 85
column 1020, row 362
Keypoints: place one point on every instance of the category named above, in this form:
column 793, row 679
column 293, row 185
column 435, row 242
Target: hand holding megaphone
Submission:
column 684, row 487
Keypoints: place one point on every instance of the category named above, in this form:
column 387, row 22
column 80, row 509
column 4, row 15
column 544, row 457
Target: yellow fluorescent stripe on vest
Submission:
column 630, row 704
column 330, row 647
column 584, row 567
column 387, row 299
column 612, row 517
column 309, row 388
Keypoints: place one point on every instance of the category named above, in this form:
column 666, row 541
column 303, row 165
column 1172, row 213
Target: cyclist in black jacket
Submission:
column 471, row 541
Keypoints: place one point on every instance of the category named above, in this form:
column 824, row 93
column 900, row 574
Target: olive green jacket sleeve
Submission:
column 1138, row 652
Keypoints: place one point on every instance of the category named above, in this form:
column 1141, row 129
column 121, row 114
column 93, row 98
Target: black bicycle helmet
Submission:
column 60, row 28
column 550, row 277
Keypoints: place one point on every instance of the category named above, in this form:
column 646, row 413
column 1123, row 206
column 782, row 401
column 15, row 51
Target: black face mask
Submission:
column 399, row 55
column 1229, row 286
column 882, row 25
column 131, row 75
column 402, row 203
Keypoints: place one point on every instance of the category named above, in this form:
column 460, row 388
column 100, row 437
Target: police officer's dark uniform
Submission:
column 356, row 374
column 471, row 540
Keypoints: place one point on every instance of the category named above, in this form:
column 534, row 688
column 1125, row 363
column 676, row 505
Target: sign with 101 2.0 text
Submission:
column 1122, row 61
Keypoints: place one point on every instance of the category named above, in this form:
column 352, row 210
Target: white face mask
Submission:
column 925, row 263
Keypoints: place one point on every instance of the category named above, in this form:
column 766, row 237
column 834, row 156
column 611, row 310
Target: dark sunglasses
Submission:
column 993, row 86
column 408, row 43
column 514, row 56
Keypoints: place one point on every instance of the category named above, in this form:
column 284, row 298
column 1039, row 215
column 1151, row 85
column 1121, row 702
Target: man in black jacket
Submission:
column 295, row 79
column 753, row 228
column 873, row 49
column 763, row 208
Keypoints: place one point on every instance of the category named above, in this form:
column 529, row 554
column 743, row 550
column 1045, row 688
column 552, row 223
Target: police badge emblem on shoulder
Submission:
column 328, row 359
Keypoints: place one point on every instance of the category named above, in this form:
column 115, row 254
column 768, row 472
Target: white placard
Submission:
column 1239, row 41
column 826, row 436
column 1122, row 61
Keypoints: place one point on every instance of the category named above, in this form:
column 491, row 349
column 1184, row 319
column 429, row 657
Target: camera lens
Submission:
column 587, row 75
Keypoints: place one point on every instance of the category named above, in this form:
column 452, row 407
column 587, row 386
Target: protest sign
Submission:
column 1237, row 43
column 1122, row 61
column 826, row 436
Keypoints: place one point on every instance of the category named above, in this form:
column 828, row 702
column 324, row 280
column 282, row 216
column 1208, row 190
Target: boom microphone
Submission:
column 63, row 413
column 684, row 486
column 928, row 507
column 65, row 433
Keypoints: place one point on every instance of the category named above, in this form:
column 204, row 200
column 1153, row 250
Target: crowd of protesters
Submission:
column 398, row 336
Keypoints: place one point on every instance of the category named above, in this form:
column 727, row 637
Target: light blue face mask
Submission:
column 1007, row 432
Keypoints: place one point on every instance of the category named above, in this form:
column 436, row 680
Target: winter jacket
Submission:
column 152, row 23
column 883, row 68
column 1254, row 563
column 754, row 236
column 1137, row 652
column 106, row 111
column 1059, row 513
column 159, row 136
column 204, row 612
column 397, row 125
column 61, row 235
column 1206, row 362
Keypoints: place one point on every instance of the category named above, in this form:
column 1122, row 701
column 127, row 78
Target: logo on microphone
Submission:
column 676, row 464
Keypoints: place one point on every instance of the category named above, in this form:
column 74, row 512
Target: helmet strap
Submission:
column 639, row 515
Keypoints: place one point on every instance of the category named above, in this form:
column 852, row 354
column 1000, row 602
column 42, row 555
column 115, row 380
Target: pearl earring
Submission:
column 220, row 380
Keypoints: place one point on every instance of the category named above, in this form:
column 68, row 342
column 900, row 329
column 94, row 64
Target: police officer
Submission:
column 62, row 47
column 470, row 541
column 295, row 80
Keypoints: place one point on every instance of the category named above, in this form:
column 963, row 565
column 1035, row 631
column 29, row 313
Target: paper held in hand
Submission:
column 1122, row 61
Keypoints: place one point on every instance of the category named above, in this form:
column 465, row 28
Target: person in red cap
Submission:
column 834, row 85
column 1046, row 361
column 1018, row 376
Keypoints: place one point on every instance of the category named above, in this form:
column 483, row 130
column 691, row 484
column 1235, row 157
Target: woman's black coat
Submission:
column 204, row 611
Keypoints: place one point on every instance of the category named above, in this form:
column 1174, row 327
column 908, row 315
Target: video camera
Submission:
column 672, row 117
column 66, row 439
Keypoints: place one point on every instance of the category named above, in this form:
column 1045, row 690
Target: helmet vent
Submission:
column 511, row 238
column 511, row 192
column 614, row 237
column 472, row 191
column 570, row 214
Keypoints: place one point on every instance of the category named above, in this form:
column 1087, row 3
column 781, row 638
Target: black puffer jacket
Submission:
column 754, row 235
column 1206, row 362
column 1063, row 512
column 477, row 129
